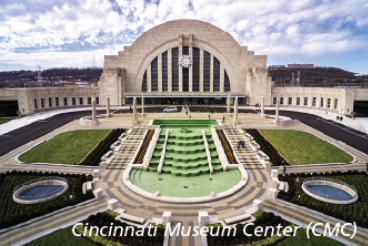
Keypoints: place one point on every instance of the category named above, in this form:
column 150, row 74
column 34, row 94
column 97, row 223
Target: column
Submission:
column 94, row 113
column 159, row 73
column 263, row 106
column 177, row 64
column 142, row 106
column 228, row 104
column 235, row 120
column 211, row 74
column 191, row 67
column 277, row 112
column 201, row 70
column 169, row 71
column 108, row 107
column 135, row 120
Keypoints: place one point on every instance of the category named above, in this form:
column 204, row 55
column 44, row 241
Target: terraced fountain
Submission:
column 186, row 169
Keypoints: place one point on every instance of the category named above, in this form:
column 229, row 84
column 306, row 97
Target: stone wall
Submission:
column 26, row 97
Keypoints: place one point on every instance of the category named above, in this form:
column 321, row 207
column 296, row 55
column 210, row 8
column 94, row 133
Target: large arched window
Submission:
column 206, row 69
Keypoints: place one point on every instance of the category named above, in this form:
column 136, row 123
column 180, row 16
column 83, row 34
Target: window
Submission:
column 290, row 101
column 65, row 101
column 154, row 75
column 81, row 101
column 314, row 101
column 35, row 103
column 56, row 101
column 281, row 100
column 336, row 103
column 89, row 100
column 164, row 71
column 97, row 100
column 73, row 101
column 305, row 101
column 175, row 68
column 328, row 102
column 42, row 103
column 216, row 74
column 321, row 101
column 196, row 68
column 274, row 100
column 144, row 82
column 50, row 102
column 206, row 71
column 298, row 101
column 227, row 82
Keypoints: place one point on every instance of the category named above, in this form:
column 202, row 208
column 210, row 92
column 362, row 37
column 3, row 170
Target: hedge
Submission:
column 12, row 213
column 94, row 157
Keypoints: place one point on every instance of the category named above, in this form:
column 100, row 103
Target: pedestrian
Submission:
column 337, row 117
column 341, row 118
column 190, row 117
column 205, row 109
column 223, row 119
column 209, row 116
column 130, row 109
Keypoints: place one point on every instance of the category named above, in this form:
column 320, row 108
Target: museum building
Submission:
column 191, row 62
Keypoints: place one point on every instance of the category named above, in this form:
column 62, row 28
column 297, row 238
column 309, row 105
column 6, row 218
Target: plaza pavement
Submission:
column 110, row 181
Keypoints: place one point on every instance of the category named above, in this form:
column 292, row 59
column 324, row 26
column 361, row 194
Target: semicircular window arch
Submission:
column 166, row 67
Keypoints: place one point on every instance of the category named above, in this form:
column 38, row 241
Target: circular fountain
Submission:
column 40, row 190
column 330, row 190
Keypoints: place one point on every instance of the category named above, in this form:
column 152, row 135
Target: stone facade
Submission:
column 38, row 99
column 122, row 76
column 339, row 100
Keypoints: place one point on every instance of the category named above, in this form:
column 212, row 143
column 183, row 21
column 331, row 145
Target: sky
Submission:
column 72, row 33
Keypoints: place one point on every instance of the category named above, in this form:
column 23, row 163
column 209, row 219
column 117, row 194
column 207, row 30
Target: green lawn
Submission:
column 301, row 240
column 62, row 237
column 301, row 148
column 2, row 121
column 65, row 148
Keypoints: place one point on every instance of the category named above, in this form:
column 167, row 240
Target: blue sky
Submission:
column 71, row 33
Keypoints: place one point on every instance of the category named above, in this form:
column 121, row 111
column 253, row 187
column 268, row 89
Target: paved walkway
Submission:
column 110, row 181
column 27, row 233
column 234, row 205
column 304, row 216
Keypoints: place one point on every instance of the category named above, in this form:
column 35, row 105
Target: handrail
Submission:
column 207, row 151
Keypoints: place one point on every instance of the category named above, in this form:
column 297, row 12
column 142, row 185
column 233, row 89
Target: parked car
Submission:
column 171, row 109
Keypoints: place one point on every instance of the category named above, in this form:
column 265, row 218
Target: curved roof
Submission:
column 183, row 26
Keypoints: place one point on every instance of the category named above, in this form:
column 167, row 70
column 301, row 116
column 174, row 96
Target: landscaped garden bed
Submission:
column 94, row 156
column 227, row 148
column 355, row 212
column 303, row 148
column 275, row 158
column 65, row 148
column 12, row 213
column 144, row 147
column 81, row 147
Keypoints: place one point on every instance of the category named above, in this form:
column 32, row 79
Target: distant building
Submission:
column 275, row 67
column 294, row 65
column 360, row 75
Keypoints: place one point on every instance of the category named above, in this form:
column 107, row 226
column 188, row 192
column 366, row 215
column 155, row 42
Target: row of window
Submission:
column 185, row 72
column 65, row 102
column 305, row 102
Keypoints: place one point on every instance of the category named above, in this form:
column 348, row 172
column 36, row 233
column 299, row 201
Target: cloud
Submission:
column 69, row 28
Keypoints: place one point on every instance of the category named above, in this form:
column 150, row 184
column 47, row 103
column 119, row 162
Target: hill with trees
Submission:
column 319, row 76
